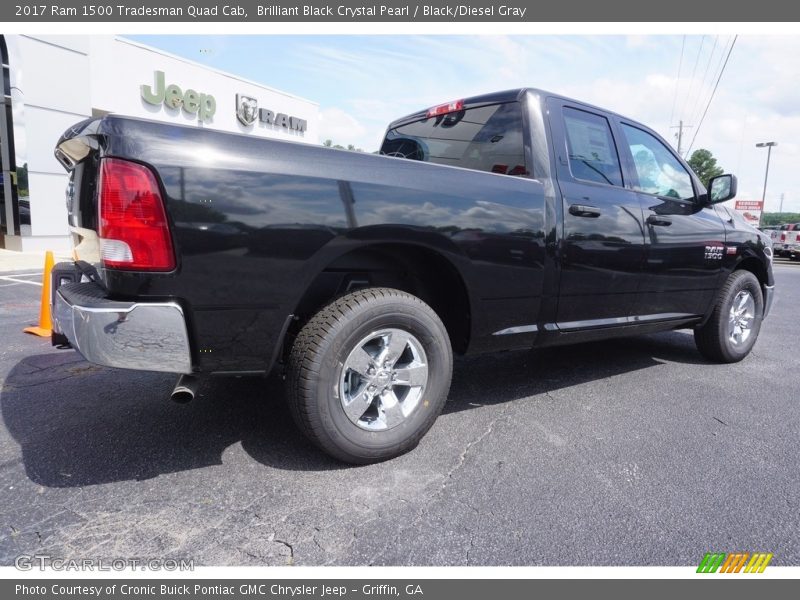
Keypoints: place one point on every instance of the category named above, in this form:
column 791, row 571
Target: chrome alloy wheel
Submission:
column 383, row 379
column 740, row 320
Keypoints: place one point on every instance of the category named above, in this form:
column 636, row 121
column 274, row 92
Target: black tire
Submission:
column 713, row 339
column 316, row 369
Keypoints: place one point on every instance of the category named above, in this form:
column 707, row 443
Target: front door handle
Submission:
column 659, row 220
column 584, row 210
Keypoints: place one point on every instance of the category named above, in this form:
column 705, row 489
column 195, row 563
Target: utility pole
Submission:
column 780, row 210
column 680, row 127
column 768, row 146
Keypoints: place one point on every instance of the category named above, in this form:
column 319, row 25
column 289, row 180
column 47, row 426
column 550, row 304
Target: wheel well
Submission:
column 419, row 271
column 756, row 267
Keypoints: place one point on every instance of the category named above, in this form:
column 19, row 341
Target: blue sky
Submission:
column 363, row 82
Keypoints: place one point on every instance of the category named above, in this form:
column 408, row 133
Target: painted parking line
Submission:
column 39, row 274
column 14, row 280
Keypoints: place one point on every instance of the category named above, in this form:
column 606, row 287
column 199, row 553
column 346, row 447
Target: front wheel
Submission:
column 731, row 331
column 369, row 374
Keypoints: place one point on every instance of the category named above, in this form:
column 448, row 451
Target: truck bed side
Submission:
column 263, row 229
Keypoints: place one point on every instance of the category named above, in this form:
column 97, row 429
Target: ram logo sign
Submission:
column 247, row 112
column 714, row 252
column 735, row 562
column 246, row 109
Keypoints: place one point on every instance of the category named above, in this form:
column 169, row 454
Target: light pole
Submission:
column 768, row 146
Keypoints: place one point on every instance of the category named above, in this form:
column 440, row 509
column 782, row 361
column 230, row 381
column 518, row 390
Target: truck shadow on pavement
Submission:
column 506, row 376
column 79, row 424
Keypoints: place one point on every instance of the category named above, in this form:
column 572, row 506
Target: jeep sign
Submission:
column 203, row 105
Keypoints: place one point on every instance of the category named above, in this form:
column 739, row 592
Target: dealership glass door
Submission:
column 8, row 209
column 4, row 155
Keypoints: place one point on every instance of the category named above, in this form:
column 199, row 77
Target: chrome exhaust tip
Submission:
column 185, row 389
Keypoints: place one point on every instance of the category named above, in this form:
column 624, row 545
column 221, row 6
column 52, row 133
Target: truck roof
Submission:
column 495, row 98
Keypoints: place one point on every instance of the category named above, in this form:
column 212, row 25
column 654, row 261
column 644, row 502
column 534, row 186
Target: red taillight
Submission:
column 134, row 232
column 443, row 109
column 797, row 238
column 783, row 237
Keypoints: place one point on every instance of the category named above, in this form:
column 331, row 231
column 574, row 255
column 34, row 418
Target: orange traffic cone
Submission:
column 45, row 322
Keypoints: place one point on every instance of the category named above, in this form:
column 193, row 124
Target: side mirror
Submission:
column 721, row 188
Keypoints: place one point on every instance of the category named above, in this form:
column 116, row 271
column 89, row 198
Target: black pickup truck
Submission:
column 511, row 220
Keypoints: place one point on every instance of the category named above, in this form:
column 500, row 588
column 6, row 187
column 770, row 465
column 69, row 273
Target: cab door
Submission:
column 684, row 240
column 602, row 247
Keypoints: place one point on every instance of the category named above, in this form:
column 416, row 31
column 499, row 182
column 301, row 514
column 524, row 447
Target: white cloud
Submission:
column 758, row 99
column 341, row 127
column 636, row 41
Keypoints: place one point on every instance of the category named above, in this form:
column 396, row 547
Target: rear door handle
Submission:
column 659, row 220
column 584, row 210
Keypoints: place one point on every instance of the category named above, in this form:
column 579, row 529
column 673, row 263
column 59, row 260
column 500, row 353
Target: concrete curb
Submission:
column 11, row 261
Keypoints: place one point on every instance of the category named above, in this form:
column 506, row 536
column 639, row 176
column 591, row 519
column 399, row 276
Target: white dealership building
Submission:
column 52, row 82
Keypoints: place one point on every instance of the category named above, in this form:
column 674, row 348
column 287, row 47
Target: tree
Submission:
column 351, row 147
column 775, row 218
column 330, row 144
column 22, row 178
column 704, row 165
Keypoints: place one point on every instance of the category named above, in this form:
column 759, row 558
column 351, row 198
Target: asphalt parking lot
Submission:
column 633, row 452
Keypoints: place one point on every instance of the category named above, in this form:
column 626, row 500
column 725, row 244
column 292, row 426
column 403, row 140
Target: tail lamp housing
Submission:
column 133, row 227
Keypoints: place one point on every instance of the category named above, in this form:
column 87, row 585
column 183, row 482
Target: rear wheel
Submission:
column 369, row 374
column 731, row 331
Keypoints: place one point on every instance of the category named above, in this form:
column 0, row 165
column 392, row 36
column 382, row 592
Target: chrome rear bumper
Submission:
column 148, row 336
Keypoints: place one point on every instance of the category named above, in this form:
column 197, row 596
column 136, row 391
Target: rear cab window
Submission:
column 592, row 151
column 485, row 138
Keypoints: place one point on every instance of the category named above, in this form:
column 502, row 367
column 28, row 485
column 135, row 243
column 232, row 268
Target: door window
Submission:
column 659, row 172
column 592, row 152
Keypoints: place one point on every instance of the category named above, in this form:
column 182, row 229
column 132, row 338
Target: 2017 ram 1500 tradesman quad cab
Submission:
column 512, row 220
